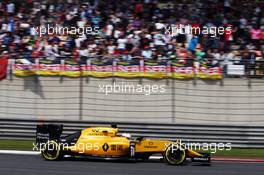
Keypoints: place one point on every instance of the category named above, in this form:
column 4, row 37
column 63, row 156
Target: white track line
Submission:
column 155, row 157
column 37, row 153
column 19, row 152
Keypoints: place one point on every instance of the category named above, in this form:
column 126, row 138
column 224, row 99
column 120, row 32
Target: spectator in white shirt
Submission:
column 147, row 53
column 122, row 43
column 10, row 8
column 84, row 53
column 109, row 30
column 111, row 48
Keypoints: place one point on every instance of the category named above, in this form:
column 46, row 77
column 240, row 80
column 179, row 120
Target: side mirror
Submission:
column 140, row 138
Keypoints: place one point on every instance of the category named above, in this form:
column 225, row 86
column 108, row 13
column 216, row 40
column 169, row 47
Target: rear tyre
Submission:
column 175, row 155
column 51, row 151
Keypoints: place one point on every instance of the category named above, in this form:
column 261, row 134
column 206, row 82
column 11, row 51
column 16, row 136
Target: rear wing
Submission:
column 46, row 132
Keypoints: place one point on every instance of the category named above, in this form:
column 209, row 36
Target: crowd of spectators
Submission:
column 133, row 29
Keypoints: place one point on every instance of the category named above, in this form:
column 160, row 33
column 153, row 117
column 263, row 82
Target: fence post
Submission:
column 173, row 101
column 142, row 70
column 114, row 69
column 10, row 66
column 81, row 95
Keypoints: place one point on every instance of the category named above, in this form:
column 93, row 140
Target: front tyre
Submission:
column 51, row 151
column 175, row 155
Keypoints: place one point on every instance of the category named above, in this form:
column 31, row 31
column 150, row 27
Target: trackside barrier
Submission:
column 238, row 136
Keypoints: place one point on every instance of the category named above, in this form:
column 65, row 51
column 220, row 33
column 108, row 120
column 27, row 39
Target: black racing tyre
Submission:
column 51, row 151
column 175, row 155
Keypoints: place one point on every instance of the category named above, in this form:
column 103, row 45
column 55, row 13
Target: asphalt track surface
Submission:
column 34, row 165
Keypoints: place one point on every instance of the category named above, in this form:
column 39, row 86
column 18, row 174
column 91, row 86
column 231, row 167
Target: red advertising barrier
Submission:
column 3, row 67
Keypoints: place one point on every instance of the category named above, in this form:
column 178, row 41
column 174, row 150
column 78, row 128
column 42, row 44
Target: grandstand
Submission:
column 133, row 30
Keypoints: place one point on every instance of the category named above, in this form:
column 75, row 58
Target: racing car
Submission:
column 107, row 142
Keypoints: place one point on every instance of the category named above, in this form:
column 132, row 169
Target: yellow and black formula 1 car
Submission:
column 106, row 142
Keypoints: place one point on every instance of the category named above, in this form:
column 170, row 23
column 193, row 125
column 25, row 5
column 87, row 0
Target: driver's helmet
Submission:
column 127, row 135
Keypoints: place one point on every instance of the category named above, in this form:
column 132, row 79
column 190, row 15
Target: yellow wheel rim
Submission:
column 173, row 161
column 48, row 156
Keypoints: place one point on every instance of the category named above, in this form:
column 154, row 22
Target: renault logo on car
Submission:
column 105, row 147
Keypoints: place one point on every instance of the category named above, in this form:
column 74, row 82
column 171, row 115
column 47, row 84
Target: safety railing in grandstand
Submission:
column 136, row 68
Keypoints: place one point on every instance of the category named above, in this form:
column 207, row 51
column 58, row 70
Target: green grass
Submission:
column 23, row 145
column 242, row 153
column 235, row 152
